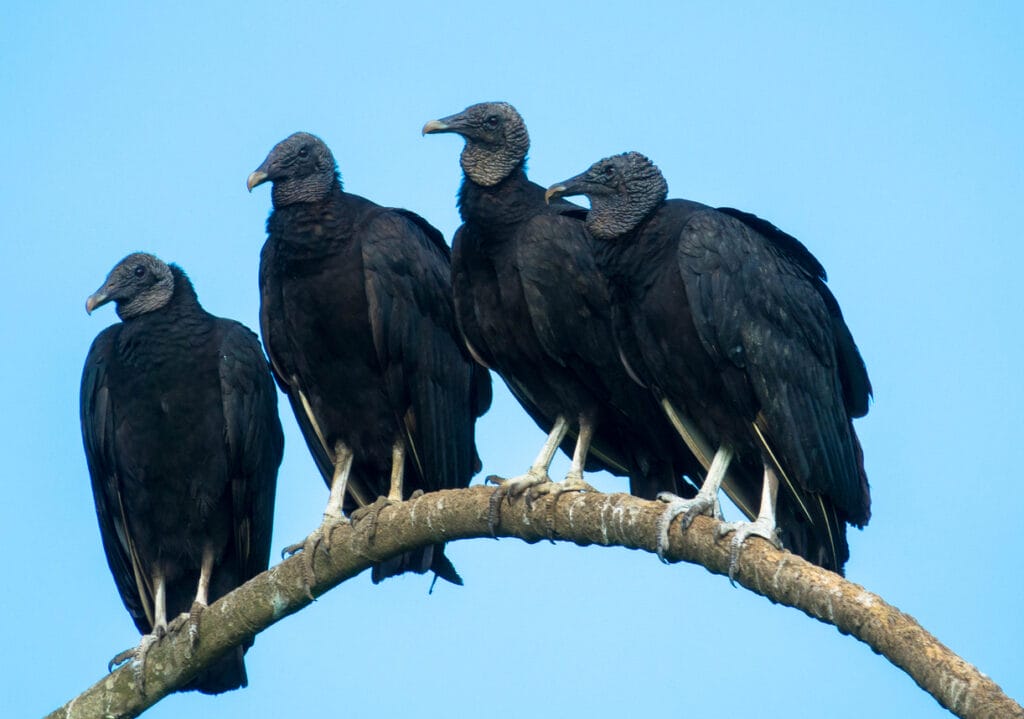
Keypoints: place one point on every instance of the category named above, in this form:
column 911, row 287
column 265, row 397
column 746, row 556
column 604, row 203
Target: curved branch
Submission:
column 583, row 518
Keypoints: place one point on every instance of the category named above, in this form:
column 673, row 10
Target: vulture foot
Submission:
column 371, row 514
column 193, row 624
column 574, row 482
column 308, row 547
column 762, row 527
column 510, row 488
column 137, row 655
column 704, row 503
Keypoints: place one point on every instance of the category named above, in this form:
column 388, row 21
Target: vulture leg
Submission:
column 138, row 654
column 706, row 501
column 397, row 471
column 574, row 481
column 339, row 482
column 537, row 474
column 763, row 526
column 202, row 599
column 333, row 514
column 372, row 512
column 704, row 452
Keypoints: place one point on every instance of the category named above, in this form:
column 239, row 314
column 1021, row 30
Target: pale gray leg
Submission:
column 397, row 471
column 536, row 474
column 704, row 452
column 763, row 526
column 138, row 654
column 371, row 513
column 574, row 479
column 202, row 599
column 343, row 457
column 706, row 501
column 333, row 514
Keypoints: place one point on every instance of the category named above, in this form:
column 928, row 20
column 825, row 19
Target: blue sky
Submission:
column 887, row 137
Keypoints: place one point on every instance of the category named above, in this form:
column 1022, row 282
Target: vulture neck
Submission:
column 512, row 199
column 313, row 188
column 154, row 338
column 184, row 298
column 614, row 217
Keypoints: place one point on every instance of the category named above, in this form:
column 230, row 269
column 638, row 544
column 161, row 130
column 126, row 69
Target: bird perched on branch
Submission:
column 533, row 306
column 356, row 313
column 183, row 441
column 730, row 322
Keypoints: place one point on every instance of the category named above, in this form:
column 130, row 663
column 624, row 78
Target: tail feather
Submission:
column 420, row 561
column 820, row 540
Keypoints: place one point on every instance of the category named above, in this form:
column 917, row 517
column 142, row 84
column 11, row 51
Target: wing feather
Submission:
column 255, row 444
column 757, row 309
column 428, row 376
column 99, row 438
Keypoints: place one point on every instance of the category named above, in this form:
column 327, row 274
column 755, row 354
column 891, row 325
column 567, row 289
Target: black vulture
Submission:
column 533, row 306
column 731, row 323
column 356, row 313
column 182, row 437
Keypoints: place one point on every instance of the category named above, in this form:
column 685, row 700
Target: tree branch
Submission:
column 583, row 518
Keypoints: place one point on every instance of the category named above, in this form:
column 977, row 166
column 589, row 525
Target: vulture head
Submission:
column 496, row 140
column 301, row 167
column 138, row 284
column 622, row 189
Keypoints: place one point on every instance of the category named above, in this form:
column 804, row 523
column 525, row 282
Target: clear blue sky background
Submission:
column 889, row 139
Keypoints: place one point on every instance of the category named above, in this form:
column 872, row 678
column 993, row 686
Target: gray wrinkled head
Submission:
column 623, row 190
column 301, row 167
column 138, row 284
column 496, row 140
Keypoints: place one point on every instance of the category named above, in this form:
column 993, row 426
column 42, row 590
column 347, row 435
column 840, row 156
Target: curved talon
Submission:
column 511, row 488
column 494, row 503
column 760, row 527
column 308, row 547
column 292, row 549
column 193, row 624
column 574, row 482
column 139, row 660
column 706, row 504
column 494, row 508
column 371, row 514
column 120, row 658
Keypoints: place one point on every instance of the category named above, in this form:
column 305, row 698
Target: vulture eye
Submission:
column 491, row 121
column 609, row 171
column 140, row 270
column 303, row 151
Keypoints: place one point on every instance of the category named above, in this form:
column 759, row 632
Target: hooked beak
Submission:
column 255, row 179
column 453, row 123
column 575, row 185
column 96, row 299
column 436, row 126
column 554, row 192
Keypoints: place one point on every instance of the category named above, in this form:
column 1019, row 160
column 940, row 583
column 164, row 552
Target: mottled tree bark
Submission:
column 583, row 518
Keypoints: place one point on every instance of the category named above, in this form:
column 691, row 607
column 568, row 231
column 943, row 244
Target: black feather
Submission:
column 733, row 323
column 181, row 433
column 357, row 316
column 533, row 306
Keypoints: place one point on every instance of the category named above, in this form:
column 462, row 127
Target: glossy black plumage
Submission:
column 181, row 433
column 533, row 306
column 357, row 318
column 729, row 318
